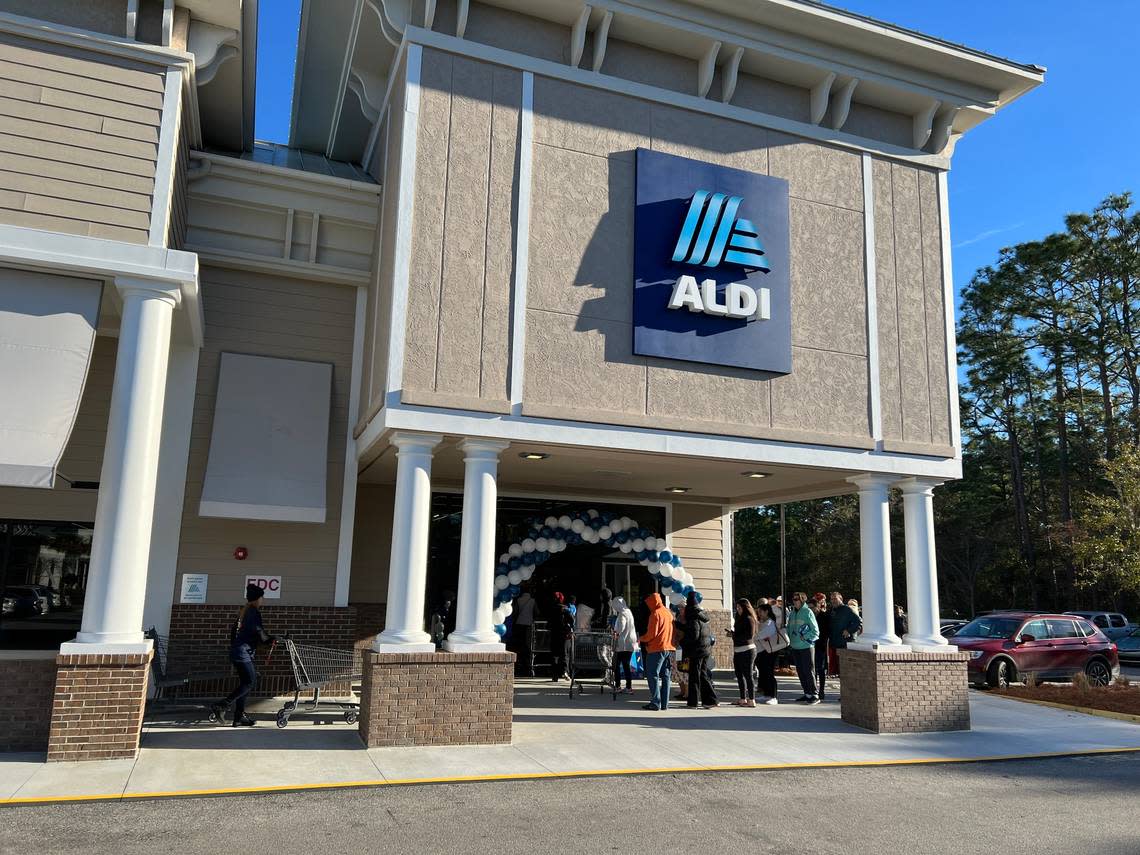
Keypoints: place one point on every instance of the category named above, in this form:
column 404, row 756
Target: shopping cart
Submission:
column 592, row 657
column 171, row 682
column 317, row 667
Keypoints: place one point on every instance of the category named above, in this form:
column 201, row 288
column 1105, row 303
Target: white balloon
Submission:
column 528, row 545
column 504, row 558
column 526, row 572
column 654, row 567
column 542, row 544
column 590, row 536
column 506, row 608
column 632, row 523
column 638, row 545
column 497, row 616
column 650, row 543
column 666, row 571
column 605, row 532
column 625, row 547
column 514, row 577
column 577, row 526
column 591, row 513
column 564, row 521
column 623, row 523
column 502, row 583
column 515, row 550
column 644, row 562
column 551, row 521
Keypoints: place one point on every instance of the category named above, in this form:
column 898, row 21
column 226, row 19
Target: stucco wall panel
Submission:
column 689, row 134
column 886, row 298
column 817, row 172
column 829, row 297
column 876, row 123
column 825, row 393
column 102, row 16
column 589, row 120
column 770, row 96
column 644, row 65
column 935, row 307
column 503, row 28
column 716, row 394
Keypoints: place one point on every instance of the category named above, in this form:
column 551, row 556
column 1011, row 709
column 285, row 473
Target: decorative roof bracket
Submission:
column 841, row 102
column 578, row 35
column 820, row 96
column 922, row 124
column 601, row 38
column 706, row 68
column 730, row 74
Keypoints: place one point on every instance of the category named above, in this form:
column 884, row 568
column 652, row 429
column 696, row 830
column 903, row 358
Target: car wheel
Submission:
column 1001, row 674
column 1098, row 672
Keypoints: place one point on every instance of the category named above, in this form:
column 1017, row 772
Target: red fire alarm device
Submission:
column 241, row 553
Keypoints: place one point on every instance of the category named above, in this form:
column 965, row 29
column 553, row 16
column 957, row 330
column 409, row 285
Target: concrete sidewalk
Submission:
column 553, row 736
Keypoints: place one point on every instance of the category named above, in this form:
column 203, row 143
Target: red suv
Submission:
column 1004, row 645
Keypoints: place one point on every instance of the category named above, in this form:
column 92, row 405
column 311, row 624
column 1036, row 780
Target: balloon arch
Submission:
column 552, row 535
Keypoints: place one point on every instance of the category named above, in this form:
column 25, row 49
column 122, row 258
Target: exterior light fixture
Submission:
column 677, row 489
column 754, row 474
column 533, row 455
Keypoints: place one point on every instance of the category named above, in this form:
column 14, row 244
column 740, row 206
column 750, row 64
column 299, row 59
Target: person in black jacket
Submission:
column 698, row 648
column 743, row 635
column 823, row 618
column 247, row 634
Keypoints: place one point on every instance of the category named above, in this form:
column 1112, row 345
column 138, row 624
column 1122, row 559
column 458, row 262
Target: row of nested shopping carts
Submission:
column 315, row 669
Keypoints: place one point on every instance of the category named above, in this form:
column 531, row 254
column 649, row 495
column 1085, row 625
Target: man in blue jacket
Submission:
column 802, row 634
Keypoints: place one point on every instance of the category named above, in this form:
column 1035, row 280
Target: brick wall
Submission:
column 199, row 644
column 369, row 623
column 26, row 690
column 97, row 708
column 720, row 621
column 436, row 698
column 904, row 692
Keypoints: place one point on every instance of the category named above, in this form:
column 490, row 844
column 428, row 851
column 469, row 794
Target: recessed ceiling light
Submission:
column 533, row 455
column 754, row 474
column 677, row 489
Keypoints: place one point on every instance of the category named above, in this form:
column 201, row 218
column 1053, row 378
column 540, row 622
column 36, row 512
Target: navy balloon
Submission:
column 676, row 562
column 514, row 563
column 665, row 556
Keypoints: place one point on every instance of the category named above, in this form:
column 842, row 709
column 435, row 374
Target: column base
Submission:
column 928, row 644
column 879, row 646
column 379, row 646
column 474, row 646
column 98, row 705
column 893, row 692
column 436, row 699
column 106, row 648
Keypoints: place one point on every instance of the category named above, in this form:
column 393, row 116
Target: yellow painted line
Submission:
column 1119, row 716
column 538, row 776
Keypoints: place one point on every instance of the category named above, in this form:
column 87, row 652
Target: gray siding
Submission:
column 78, row 140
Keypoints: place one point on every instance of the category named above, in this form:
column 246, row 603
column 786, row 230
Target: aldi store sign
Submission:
column 711, row 264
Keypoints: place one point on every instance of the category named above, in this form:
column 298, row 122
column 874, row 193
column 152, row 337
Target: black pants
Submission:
column 700, row 683
column 803, row 662
column 742, row 663
column 766, row 671
column 524, row 652
column 560, row 654
column 821, row 666
column 247, row 677
column 623, row 660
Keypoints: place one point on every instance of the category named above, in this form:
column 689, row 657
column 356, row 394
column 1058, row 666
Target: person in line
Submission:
column 743, row 635
column 561, row 631
column 802, row 633
column 823, row 620
column 625, row 642
column 902, row 624
column 766, row 641
column 657, row 643
column 605, row 608
column 526, row 609
column 853, row 604
column 583, row 617
column 246, row 634
column 845, row 625
column 698, row 645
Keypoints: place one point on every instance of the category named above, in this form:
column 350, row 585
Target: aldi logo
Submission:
column 711, row 264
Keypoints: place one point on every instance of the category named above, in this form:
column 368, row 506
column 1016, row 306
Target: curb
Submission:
column 540, row 776
column 1135, row 719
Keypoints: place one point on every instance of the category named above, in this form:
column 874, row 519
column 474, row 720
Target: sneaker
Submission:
column 812, row 701
column 770, row 702
column 803, row 699
column 244, row 721
column 652, row 707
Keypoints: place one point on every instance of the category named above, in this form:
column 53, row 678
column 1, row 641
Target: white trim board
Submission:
column 726, row 534
column 348, row 488
column 948, row 305
column 522, row 243
column 596, row 80
column 165, row 172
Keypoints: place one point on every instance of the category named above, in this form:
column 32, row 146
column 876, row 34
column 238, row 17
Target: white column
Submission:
column 120, row 551
column 407, row 569
column 878, row 607
column 924, row 631
column 474, row 631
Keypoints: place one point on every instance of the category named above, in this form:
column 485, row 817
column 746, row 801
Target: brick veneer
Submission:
column 436, row 698
column 904, row 692
column 199, row 644
column 26, row 690
column 97, row 709
column 720, row 621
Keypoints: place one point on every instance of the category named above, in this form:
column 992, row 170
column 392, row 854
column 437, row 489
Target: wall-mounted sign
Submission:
column 711, row 264
column 194, row 587
column 271, row 584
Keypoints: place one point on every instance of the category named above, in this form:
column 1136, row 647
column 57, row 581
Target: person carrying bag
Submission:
column 769, row 640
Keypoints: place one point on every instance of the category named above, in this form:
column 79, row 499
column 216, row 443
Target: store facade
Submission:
column 519, row 263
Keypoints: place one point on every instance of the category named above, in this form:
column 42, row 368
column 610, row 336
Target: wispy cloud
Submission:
column 988, row 233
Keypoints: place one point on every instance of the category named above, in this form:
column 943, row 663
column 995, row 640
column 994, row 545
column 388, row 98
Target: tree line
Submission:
column 1047, row 513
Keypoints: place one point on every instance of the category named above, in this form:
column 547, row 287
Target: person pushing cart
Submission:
column 246, row 635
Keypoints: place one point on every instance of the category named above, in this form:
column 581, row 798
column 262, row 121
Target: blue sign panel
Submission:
column 711, row 265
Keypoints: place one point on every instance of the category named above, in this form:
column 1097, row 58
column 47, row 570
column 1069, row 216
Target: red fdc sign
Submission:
column 270, row 584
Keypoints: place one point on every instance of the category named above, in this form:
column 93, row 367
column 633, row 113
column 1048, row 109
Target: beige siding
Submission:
column 268, row 316
column 697, row 537
column 82, row 458
column 371, row 544
column 78, row 140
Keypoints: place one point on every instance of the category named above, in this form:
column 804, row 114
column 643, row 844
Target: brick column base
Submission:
column 26, row 687
column 436, row 698
column 98, row 707
column 904, row 692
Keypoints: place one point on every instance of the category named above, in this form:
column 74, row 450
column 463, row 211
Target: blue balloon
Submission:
column 501, row 629
column 676, row 561
column 653, row 555
column 622, row 537
column 546, row 531
column 540, row 557
column 641, row 555
column 698, row 596
column 665, row 556
column 501, row 569
column 528, row 559
column 688, row 589
column 514, row 563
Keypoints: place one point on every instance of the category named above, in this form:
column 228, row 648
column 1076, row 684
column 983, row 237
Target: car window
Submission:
column 1101, row 621
column 990, row 627
column 1063, row 629
column 1118, row 620
column 1036, row 628
column 1085, row 628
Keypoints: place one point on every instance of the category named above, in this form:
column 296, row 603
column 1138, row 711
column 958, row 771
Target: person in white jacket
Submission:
column 625, row 642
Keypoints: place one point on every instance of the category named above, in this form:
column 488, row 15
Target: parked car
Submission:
column 1113, row 624
column 1006, row 645
column 39, row 592
column 1128, row 647
column 25, row 603
column 949, row 627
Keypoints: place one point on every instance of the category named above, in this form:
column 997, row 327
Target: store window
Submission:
column 43, row 576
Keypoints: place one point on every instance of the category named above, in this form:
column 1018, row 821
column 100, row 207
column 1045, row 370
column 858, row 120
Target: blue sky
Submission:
column 1061, row 148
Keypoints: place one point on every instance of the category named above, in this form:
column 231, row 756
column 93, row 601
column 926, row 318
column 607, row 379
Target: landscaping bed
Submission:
column 1116, row 698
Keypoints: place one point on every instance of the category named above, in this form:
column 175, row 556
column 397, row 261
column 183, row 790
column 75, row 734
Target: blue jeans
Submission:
column 247, row 677
column 659, row 671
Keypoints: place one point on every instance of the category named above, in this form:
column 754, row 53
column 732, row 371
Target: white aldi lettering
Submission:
column 740, row 300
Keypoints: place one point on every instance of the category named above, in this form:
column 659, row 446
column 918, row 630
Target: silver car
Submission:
column 1112, row 624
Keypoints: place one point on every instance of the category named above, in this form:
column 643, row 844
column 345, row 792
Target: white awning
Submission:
column 47, row 329
column 269, row 447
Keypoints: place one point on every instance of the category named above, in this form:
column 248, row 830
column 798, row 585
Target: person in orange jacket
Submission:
column 658, row 647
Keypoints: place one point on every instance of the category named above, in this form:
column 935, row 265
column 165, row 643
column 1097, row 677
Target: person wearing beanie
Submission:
column 245, row 635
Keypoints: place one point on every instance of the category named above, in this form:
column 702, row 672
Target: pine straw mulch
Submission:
column 1117, row 697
